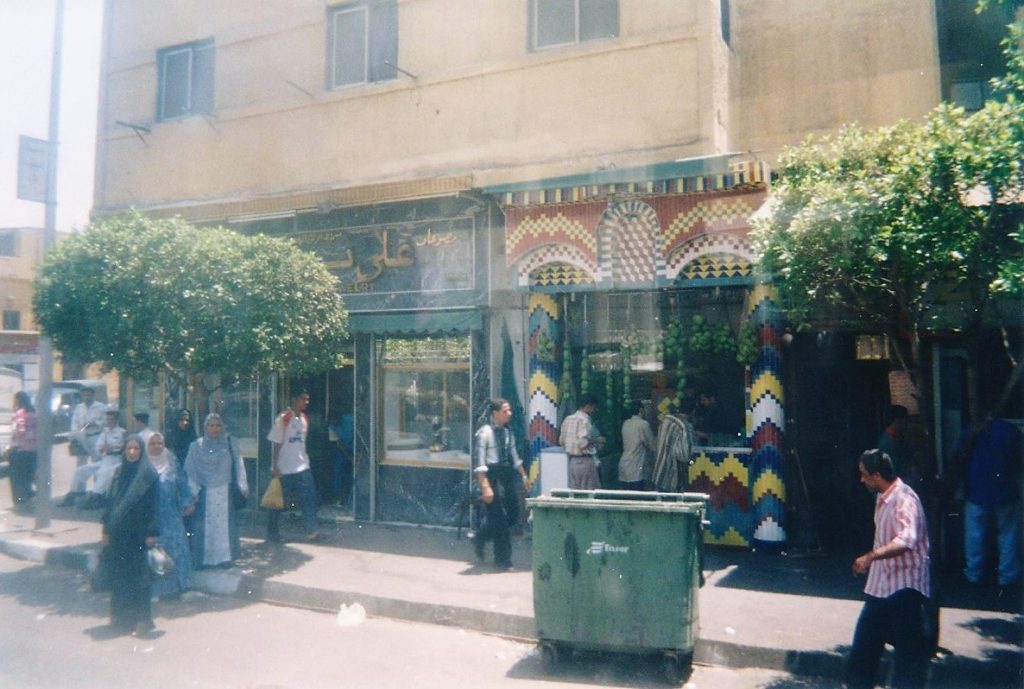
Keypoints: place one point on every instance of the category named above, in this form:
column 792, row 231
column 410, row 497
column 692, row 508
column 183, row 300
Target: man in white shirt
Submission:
column 581, row 441
column 291, row 466
column 86, row 425
column 497, row 467
column 109, row 449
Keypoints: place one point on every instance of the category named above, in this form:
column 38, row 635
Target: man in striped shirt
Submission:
column 896, row 610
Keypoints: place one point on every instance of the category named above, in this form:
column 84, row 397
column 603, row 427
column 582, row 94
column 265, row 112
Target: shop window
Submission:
column 678, row 349
column 426, row 398
column 564, row 22
column 362, row 43
column 8, row 243
column 12, row 320
column 186, row 80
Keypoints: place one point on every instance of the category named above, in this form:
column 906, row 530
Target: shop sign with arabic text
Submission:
column 426, row 256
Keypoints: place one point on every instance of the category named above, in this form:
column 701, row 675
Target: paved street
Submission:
column 53, row 636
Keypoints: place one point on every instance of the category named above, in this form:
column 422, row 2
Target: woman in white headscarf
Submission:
column 175, row 503
column 213, row 462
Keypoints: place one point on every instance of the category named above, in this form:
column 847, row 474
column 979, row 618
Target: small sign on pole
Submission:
column 32, row 157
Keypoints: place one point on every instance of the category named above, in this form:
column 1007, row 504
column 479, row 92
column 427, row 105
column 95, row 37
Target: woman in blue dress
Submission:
column 175, row 504
column 212, row 464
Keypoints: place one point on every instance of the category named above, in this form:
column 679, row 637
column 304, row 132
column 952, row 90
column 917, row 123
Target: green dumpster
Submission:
column 618, row 571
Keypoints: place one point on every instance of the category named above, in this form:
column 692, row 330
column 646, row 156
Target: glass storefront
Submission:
column 426, row 398
column 672, row 347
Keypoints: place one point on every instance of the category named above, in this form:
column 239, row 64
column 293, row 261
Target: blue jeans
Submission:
column 977, row 522
column 297, row 488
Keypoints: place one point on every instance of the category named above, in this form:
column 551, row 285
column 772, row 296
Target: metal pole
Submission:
column 44, row 471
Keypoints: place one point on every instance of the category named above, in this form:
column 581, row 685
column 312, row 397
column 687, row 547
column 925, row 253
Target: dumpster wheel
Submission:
column 675, row 666
column 550, row 656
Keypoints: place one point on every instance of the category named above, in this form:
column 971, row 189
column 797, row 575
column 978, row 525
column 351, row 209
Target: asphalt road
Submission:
column 53, row 634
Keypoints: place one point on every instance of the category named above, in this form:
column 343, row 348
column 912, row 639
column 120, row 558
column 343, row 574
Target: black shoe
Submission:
column 92, row 501
column 69, row 500
column 503, row 566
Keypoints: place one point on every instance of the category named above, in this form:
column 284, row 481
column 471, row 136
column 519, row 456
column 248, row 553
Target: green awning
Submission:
column 416, row 322
column 689, row 167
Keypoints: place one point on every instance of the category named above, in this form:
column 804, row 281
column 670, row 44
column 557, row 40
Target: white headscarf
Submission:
column 162, row 461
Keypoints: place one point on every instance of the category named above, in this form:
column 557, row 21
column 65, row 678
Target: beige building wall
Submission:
column 474, row 103
column 479, row 103
column 18, row 271
column 803, row 67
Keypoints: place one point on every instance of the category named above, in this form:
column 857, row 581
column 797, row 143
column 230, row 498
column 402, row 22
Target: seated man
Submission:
column 109, row 447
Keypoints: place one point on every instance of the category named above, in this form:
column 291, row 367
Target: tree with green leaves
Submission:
column 144, row 295
column 902, row 229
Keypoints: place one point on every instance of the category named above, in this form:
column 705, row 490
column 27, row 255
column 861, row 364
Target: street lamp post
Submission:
column 44, row 472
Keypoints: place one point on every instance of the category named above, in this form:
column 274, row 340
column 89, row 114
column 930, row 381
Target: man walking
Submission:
column 291, row 466
column 497, row 467
column 898, row 586
column 581, row 441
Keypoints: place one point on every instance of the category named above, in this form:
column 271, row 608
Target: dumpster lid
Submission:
column 623, row 499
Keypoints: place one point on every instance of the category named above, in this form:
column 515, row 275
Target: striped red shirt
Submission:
column 899, row 518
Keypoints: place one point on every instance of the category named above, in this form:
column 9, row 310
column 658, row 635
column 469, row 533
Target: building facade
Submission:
column 529, row 198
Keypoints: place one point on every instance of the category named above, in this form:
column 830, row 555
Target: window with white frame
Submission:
column 362, row 43
column 185, row 80
column 565, row 22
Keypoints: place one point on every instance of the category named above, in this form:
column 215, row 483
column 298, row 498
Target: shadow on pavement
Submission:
column 591, row 668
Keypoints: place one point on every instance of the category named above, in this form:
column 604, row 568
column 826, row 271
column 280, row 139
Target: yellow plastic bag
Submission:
column 273, row 499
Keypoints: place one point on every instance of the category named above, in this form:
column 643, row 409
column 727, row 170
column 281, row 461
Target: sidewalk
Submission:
column 770, row 611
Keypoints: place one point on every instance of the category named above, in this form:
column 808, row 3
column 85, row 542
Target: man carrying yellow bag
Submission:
column 291, row 467
column 273, row 499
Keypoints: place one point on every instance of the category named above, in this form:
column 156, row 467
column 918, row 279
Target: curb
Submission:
column 234, row 583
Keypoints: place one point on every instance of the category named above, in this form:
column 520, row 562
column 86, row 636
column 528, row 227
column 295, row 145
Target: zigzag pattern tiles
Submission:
column 717, row 266
column 558, row 275
column 724, row 475
column 767, row 420
column 542, row 394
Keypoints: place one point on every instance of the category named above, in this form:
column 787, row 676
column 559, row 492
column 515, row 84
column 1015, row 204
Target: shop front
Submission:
column 640, row 286
column 413, row 277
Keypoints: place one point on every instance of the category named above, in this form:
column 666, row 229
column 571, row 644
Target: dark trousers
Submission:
column 23, row 473
column 298, row 489
column 501, row 514
column 902, row 620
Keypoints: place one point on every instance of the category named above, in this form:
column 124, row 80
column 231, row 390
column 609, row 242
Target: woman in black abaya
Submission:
column 130, row 525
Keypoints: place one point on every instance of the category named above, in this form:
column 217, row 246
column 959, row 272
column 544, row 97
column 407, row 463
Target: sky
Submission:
column 26, row 49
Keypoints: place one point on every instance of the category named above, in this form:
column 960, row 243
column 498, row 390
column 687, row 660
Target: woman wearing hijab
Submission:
column 212, row 462
column 180, row 435
column 129, row 527
column 23, row 451
column 175, row 503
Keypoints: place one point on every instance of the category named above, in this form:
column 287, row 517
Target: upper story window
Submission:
column 9, row 243
column 564, row 22
column 362, row 43
column 970, row 95
column 12, row 320
column 186, row 80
